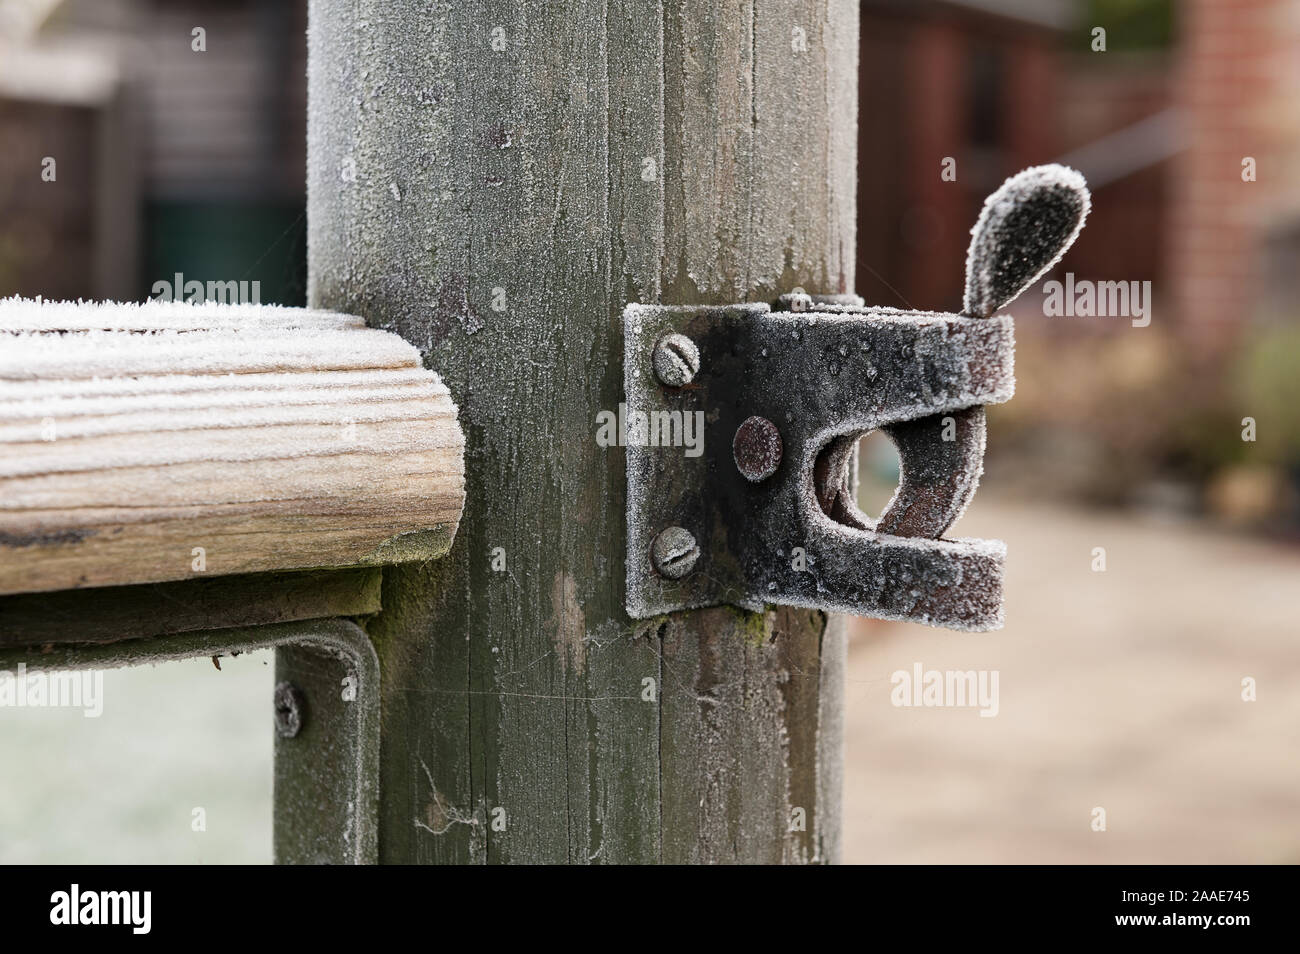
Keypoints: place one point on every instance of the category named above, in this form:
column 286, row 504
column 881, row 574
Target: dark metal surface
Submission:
column 822, row 378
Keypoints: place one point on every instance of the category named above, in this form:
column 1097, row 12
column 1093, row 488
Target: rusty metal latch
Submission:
column 762, row 509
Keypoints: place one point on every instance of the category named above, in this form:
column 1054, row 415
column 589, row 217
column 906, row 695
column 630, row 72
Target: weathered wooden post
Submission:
column 495, row 181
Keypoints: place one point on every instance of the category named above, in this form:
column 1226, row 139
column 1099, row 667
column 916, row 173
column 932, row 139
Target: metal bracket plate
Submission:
column 819, row 375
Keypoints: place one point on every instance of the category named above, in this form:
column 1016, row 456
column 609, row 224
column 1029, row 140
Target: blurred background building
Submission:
column 1120, row 687
column 171, row 159
column 1161, row 122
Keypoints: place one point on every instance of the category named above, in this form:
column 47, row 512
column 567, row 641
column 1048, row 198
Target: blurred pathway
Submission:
column 1119, row 689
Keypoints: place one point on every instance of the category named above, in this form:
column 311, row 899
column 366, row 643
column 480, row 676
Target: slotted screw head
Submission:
column 674, row 552
column 676, row 360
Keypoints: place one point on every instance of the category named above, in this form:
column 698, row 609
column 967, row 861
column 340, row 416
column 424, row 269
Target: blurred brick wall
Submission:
column 1239, row 82
column 184, row 154
column 1126, row 236
column 47, row 231
column 937, row 81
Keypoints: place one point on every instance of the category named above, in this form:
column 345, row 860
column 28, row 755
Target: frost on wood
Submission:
column 267, row 438
column 1023, row 230
column 606, row 152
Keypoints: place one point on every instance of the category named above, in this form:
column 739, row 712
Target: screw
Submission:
column 676, row 360
column 289, row 705
column 757, row 448
column 674, row 552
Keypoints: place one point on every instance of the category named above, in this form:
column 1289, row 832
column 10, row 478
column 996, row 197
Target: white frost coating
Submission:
column 1025, row 227
column 38, row 314
column 85, row 386
column 206, row 388
column 978, row 577
column 227, row 391
column 26, row 356
column 109, row 420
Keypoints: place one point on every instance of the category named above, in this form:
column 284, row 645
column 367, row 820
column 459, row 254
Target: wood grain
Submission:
column 498, row 206
column 169, row 441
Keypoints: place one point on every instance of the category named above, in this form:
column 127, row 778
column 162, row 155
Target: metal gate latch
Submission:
column 741, row 427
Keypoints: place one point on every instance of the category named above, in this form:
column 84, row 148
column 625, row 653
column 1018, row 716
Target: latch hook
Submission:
column 768, row 514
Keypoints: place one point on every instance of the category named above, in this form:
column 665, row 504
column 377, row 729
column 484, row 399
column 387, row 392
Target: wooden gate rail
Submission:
column 168, row 474
column 141, row 443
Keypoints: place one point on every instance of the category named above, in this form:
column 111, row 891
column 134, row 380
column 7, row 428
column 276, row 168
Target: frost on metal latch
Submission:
column 742, row 426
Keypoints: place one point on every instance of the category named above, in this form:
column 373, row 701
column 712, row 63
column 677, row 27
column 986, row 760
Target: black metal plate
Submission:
column 816, row 375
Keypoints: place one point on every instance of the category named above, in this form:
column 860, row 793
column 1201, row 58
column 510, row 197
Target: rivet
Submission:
column 757, row 448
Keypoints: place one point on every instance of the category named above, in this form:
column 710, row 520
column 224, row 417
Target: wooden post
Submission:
column 494, row 181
